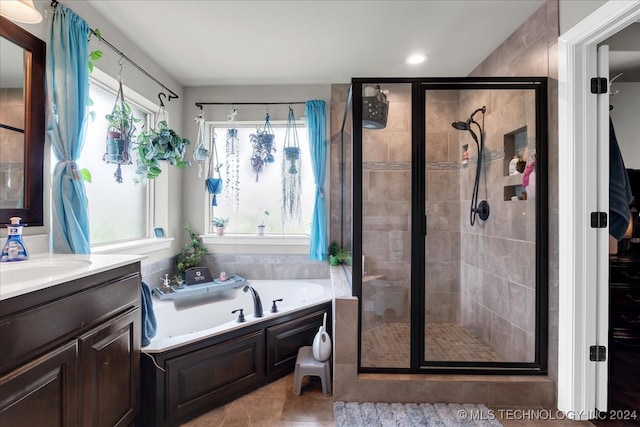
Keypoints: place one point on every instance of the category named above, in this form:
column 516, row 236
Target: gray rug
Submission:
column 353, row 414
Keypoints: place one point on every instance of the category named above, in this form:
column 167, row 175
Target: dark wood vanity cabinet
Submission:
column 70, row 354
column 624, row 336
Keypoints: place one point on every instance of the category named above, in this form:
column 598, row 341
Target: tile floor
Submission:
column 387, row 345
column 275, row 405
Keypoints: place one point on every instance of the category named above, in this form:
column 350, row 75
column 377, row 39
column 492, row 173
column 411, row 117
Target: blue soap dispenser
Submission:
column 14, row 249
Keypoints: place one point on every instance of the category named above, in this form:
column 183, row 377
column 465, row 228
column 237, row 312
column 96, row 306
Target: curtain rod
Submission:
column 200, row 104
column 172, row 94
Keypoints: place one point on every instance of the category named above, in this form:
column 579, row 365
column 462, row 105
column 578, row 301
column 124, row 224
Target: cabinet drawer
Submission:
column 626, row 319
column 625, row 297
column 32, row 332
column 627, row 273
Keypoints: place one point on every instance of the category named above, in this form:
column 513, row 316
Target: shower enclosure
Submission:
column 449, row 219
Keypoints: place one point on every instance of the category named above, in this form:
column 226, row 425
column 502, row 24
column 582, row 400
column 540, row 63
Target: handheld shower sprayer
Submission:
column 481, row 209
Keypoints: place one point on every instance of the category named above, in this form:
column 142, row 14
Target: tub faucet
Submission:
column 257, row 304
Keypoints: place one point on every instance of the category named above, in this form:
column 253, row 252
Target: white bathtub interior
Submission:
column 184, row 322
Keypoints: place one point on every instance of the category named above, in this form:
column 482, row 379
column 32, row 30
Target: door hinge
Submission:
column 598, row 353
column 599, row 85
column 598, row 220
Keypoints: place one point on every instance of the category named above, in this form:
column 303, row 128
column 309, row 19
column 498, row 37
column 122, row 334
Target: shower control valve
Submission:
column 240, row 316
column 274, row 307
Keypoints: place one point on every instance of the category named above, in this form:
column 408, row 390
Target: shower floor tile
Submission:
column 387, row 345
column 452, row 341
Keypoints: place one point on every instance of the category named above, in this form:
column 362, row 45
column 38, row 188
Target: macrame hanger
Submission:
column 200, row 151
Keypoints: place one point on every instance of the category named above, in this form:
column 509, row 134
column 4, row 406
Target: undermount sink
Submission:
column 38, row 269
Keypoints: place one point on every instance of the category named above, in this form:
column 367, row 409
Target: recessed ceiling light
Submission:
column 416, row 59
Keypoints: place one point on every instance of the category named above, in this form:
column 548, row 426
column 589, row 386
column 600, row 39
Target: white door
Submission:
column 602, row 234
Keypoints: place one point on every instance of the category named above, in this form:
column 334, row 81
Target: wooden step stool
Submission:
column 307, row 365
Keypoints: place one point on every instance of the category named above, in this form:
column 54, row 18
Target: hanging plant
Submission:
column 120, row 128
column 160, row 144
column 291, row 180
column 232, row 170
column 263, row 142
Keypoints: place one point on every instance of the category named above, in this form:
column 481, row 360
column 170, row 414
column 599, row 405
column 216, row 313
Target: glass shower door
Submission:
column 480, row 244
column 386, row 230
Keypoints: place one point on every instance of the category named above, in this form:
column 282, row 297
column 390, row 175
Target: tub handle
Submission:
column 240, row 316
column 274, row 307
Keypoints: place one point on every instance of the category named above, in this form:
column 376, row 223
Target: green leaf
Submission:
column 85, row 174
column 95, row 55
column 90, row 65
column 92, row 116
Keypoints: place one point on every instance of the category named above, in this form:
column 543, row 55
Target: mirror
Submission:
column 22, row 112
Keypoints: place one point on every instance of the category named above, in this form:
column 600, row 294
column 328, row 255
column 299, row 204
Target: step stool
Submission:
column 307, row 365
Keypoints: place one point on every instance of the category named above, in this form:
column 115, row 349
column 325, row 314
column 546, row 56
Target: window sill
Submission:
column 135, row 247
column 254, row 240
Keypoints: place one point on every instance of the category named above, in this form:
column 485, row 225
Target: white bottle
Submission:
column 321, row 347
column 513, row 164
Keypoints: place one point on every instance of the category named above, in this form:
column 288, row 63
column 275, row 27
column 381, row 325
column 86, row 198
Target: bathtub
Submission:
column 201, row 357
column 186, row 321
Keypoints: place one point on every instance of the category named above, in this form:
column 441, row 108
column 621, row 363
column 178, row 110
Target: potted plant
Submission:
column 220, row 223
column 262, row 227
column 334, row 248
column 157, row 145
column 120, row 128
column 192, row 253
column 338, row 255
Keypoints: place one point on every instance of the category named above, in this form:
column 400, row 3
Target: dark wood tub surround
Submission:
column 70, row 354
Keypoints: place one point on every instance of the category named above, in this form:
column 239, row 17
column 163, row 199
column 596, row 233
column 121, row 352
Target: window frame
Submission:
column 248, row 242
column 149, row 243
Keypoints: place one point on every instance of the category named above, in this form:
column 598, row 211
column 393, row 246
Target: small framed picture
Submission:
column 158, row 232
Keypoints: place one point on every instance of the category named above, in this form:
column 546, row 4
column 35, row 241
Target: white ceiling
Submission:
column 313, row 42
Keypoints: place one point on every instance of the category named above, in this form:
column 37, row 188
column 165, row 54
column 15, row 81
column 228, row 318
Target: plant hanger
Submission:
column 200, row 152
column 213, row 183
column 291, row 181
column 263, row 142
column 120, row 129
column 232, row 166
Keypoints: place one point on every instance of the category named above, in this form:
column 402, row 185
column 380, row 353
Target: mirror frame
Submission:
column 34, row 123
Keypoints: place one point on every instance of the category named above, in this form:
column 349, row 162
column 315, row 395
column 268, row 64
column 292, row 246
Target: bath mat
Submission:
column 353, row 414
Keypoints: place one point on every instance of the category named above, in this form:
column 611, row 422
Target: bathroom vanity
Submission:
column 70, row 342
column 624, row 336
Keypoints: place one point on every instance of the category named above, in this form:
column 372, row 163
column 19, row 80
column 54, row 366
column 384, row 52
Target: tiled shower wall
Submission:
column 444, row 151
column 532, row 51
column 386, row 196
column 498, row 255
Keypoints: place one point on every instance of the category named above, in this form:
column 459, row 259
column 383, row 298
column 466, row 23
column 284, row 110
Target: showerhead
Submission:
column 460, row 125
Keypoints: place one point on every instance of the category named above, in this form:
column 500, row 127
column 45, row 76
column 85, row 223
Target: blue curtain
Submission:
column 68, row 91
column 316, row 121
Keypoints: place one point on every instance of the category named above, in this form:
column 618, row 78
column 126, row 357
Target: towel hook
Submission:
column 611, row 82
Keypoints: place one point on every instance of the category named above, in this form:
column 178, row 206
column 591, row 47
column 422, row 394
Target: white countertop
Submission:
column 45, row 270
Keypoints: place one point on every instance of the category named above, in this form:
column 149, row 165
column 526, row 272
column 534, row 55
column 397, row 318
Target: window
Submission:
column 118, row 212
column 246, row 195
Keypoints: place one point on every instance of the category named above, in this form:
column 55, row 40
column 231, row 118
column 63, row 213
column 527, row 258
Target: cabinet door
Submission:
column 284, row 340
column 110, row 366
column 42, row 392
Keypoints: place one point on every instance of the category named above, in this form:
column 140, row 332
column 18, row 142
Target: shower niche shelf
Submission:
column 514, row 144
